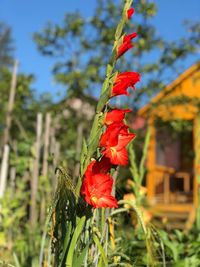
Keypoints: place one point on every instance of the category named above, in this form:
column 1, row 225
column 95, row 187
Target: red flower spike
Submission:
column 126, row 44
column 116, row 115
column 130, row 12
column 97, row 188
column 123, row 81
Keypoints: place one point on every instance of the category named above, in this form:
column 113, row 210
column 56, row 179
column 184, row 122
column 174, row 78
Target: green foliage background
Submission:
column 80, row 48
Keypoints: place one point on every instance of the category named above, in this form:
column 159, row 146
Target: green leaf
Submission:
column 66, row 243
column 138, row 213
column 73, row 243
column 119, row 30
column 118, row 211
column 98, row 243
column 94, row 142
column 103, row 99
column 83, row 155
column 79, row 260
column 16, row 260
column 95, row 125
column 144, row 156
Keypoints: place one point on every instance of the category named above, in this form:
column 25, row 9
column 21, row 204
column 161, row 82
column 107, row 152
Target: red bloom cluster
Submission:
column 97, row 183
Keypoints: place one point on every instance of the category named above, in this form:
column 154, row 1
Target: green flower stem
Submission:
column 102, row 219
column 144, row 156
column 138, row 213
column 97, row 126
column 138, row 173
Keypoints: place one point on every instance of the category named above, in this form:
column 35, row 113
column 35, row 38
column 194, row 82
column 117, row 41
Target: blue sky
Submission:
column 28, row 16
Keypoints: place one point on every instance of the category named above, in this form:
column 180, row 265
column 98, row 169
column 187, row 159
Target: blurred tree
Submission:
column 24, row 103
column 24, row 107
column 6, row 45
column 80, row 47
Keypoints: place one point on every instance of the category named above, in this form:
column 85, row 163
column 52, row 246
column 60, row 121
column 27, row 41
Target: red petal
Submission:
column 102, row 183
column 116, row 115
column 129, row 37
column 117, row 157
column 124, row 140
column 107, row 201
column 130, row 12
column 103, row 166
column 110, row 137
column 123, row 81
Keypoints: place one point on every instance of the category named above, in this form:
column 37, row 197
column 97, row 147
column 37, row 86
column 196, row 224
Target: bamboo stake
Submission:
column 13, row 171
column 4, row 170
column 55, row 164
column 35, row 172
column 12, row 178
column 45, row 164
column 55, row 151
column 11, row 100
column 46, row 144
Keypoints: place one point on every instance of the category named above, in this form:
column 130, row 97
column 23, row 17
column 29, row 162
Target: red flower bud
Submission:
column 126, row 44
column 116, row 115
column 123, row 81
column 130, row 12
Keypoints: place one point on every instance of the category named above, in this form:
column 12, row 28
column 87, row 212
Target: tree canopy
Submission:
column 80, row 47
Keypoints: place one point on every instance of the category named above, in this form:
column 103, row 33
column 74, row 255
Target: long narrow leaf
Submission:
column 66, row 243
column 97, row 242
column 75, row 237
column 79, row 260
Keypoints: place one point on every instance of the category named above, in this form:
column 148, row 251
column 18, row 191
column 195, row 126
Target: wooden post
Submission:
column 13, row 170
column 4, row 170
column 151, row 161
column 46, row 144
column 196, row 187
column 11, row 100
column 35, row 172
column 55, row 163
column 55, row 152
column 45, row 165
column 12, row 178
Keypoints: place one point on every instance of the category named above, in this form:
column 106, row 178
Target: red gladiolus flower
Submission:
column 126, row 44
column 111, row 134
column 114, row 141
column 97, row 188
column 102, row 166
column 116, row 115
column 130, row 12
column 123, row 81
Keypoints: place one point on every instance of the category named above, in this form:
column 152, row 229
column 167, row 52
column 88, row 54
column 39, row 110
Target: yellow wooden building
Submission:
column 172, row 179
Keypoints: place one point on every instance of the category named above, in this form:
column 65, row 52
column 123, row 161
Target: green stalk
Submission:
column 138, row 173
column 102, row 219
column 144, row 156
column 97, row 126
